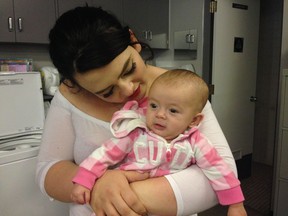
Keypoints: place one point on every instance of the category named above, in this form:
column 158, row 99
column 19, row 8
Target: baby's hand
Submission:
column 237, row 210
column 80, row 194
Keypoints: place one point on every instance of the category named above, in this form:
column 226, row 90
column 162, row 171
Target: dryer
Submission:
column 21, row 125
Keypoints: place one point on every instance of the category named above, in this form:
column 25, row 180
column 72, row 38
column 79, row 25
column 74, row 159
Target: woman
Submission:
column 101, row 66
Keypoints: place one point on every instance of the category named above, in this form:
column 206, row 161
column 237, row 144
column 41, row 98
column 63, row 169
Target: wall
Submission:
column 284, row 52
column 39, row 53
column 267, row 80
column 280, row 178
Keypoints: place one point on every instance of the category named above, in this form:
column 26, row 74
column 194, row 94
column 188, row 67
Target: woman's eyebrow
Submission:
column 124, row 68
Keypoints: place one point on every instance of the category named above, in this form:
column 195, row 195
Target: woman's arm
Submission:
column 184, row 193
column 212, row 130
column 58, row 181
column 157, row 196
column 55, row 166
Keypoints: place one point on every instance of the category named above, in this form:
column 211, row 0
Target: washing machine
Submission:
column 21, row 125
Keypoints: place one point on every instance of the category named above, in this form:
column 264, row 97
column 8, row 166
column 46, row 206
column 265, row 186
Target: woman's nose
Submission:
column 126, row 87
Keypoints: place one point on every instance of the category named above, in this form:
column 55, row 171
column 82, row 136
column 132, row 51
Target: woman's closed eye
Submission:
column 129, row 72
column 109, row 93
column 133, row 67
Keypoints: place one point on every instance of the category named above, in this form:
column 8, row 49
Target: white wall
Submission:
column 284, row 53
column 281, row 180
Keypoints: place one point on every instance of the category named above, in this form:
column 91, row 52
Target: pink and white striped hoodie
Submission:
column 139, row 149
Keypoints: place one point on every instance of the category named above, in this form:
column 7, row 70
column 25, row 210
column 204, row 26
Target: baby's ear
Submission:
column 196, row 120
column 133, row 39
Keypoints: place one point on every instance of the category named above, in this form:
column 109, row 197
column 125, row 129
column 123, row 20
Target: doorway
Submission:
column 268, row 67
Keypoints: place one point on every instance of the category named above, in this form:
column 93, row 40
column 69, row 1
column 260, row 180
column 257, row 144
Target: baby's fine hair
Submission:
column 184, row 78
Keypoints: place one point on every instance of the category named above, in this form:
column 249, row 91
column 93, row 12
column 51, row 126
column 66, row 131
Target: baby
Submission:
column 162, row 137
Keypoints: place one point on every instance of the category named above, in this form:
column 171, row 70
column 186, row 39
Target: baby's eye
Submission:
column 153, row 105
column 173, row 110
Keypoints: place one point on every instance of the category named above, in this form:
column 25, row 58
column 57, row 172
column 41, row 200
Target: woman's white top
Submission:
column 70, row 134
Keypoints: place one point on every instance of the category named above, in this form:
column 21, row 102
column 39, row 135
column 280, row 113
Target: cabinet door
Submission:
column 64, row 5
column 34, row 19
column 112, row 6
column 135, row 16
column 7, row 34
column 149, row 19
column 186, row 22
column 157, row 16
column 185, row 40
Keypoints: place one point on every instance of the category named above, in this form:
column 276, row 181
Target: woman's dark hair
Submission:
column 86, row 38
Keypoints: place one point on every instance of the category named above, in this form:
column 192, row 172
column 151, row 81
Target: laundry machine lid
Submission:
column 22, row 105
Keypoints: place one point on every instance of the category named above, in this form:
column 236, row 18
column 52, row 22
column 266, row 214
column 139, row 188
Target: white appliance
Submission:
column 21, row 124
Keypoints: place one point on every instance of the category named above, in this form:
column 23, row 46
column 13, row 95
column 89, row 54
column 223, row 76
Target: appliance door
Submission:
column 22, row 107
column 19, row 194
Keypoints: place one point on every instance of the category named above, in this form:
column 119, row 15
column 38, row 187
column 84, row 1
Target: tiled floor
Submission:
column 257, row 192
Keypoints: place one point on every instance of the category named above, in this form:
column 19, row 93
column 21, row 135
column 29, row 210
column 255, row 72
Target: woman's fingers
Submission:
column 122, row 207
column 112, row 195
column 132, row 201
column 133, row 176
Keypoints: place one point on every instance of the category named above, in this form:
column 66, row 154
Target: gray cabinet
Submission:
column 26, row 21
column 185, row 40
column 149, row 20
column 7, row 33
column 113, row 6
column 65, row 5
column 186, row 23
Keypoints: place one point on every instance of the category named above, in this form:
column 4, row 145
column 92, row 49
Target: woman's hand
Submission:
column 112, row 194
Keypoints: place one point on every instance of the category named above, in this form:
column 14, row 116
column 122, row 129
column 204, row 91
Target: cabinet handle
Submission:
column 190, row 38
column 145, row 35
column 187, row 37
column 150, row 33
column 20, row 26
column 10, row 24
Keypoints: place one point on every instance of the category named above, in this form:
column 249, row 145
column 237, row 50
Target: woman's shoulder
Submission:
column 64, row 99
column 60, row 100
column 86, row 102
column 67, row 93
column 73, row 96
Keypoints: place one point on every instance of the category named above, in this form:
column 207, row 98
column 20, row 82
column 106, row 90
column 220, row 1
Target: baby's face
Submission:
column 170, row 111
